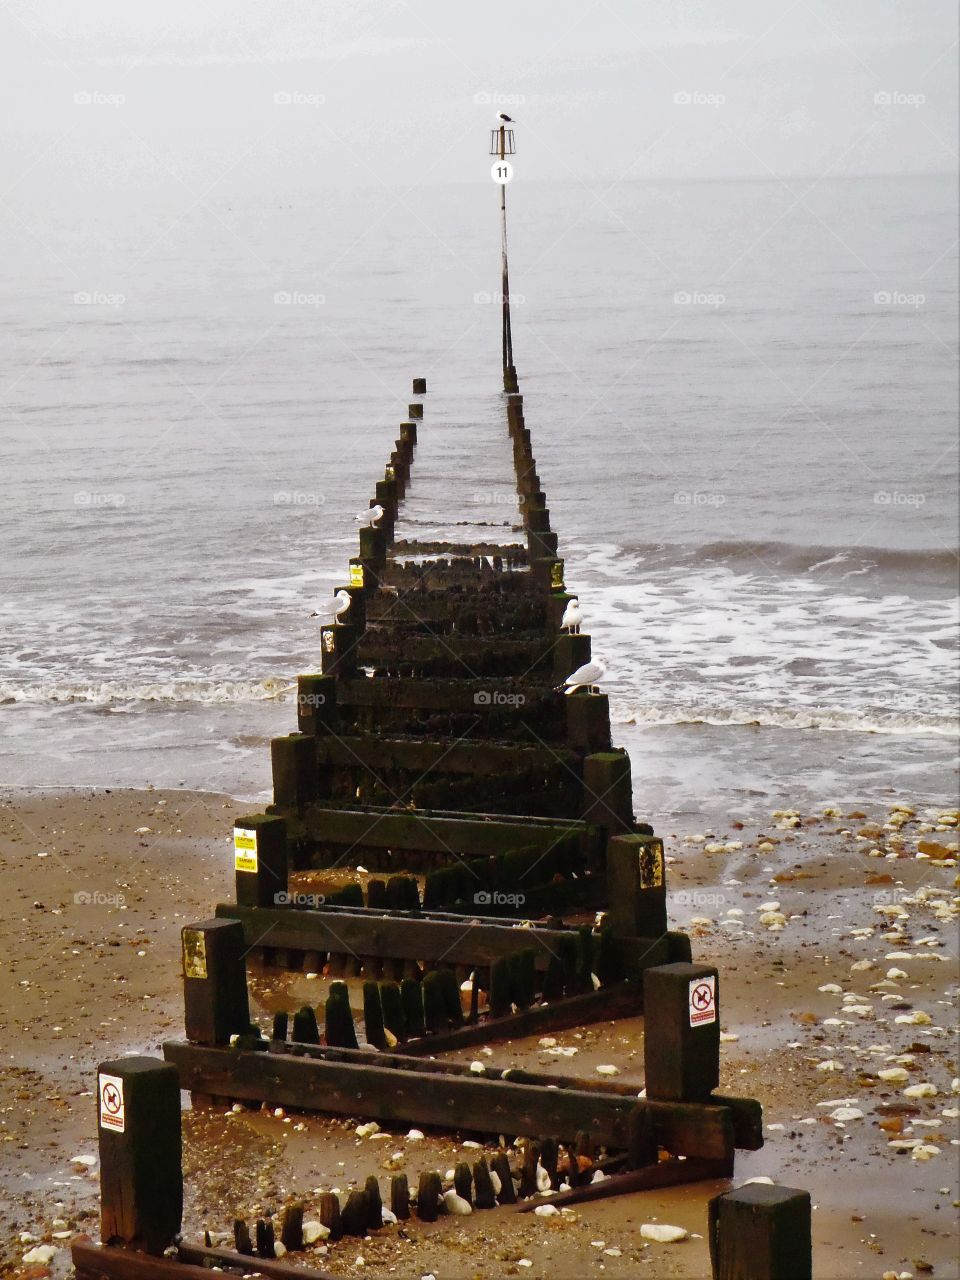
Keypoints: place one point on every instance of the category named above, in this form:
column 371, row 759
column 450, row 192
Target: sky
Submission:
column 106, row 95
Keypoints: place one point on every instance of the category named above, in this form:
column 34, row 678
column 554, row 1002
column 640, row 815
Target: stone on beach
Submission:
column 663, row 1233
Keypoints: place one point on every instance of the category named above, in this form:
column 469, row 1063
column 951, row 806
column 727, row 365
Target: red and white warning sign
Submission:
column 112, row 1110
column 703, row 1000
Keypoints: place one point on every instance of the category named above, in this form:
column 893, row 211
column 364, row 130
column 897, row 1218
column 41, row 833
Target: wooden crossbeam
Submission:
column 401, row 1096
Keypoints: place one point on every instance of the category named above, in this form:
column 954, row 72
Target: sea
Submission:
column 742, row 397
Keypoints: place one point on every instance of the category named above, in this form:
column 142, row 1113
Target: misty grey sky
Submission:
column 105, row 95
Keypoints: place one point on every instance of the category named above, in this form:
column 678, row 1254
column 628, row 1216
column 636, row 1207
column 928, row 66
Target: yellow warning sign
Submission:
column 194, row 954
column 244, row 849
column 651, row 866
column 356, row 575
column 556, row 575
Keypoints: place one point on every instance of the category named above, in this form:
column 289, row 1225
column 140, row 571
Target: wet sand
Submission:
column 92, row 912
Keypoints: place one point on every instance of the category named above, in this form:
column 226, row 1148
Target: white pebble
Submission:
column 843, row 1114
column 894, row 1075
column 415, row 1135
column 456, row 1204
column 547, row 1211
column 43, row 1253
column 608, row 1069
column 663, row 1233
column 920, row 1091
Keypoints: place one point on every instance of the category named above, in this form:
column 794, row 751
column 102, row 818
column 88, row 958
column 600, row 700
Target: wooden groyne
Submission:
column 446, row 821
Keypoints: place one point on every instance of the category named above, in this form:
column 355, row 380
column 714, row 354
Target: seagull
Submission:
column 344, row 601
column 586, row 677
column 372, row 516
column 572, row 616
column 505, row 119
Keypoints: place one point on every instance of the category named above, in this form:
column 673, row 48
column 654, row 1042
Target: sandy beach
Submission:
column 836, row 946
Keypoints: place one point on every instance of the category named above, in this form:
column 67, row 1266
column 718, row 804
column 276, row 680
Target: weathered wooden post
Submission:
column 636, row 886
column 338, row 643
column 215, row 1003
column 141, row 1181
column 588, row 721
column 316, row 703
column 681, row 1044
column 419, row 386
column 295, row 774
column 260, row 857
column 607, row 788
column 760, row 1232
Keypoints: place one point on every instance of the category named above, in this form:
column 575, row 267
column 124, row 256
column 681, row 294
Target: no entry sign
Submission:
column 703, row 1000
column 112, row 1109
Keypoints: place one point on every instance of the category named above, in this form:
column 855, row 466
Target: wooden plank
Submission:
column 380, row 754
column 126, row 1264
column 451, row 656
column 273, row 1270
column 506, row 550
column 668, row 1173
column 193, row 1262
column 439, row 831
column 397, row 1096
column 455, row 939
column 747, row 1120
column 440, row 694
column 624, row 1000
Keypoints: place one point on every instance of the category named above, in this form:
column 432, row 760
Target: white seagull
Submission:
column 505, row 119
column 372, row 516
column 586, row 677
column 344, row 602
column 572, row 615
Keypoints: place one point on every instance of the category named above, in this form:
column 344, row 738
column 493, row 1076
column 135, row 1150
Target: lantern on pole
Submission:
column 502, row 146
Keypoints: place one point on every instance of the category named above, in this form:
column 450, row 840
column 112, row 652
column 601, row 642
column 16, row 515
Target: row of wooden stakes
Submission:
column 545, row 1166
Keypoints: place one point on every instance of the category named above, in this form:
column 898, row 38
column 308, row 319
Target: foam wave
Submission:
column 869, row 720
column 112, row 693
column 936, row 562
